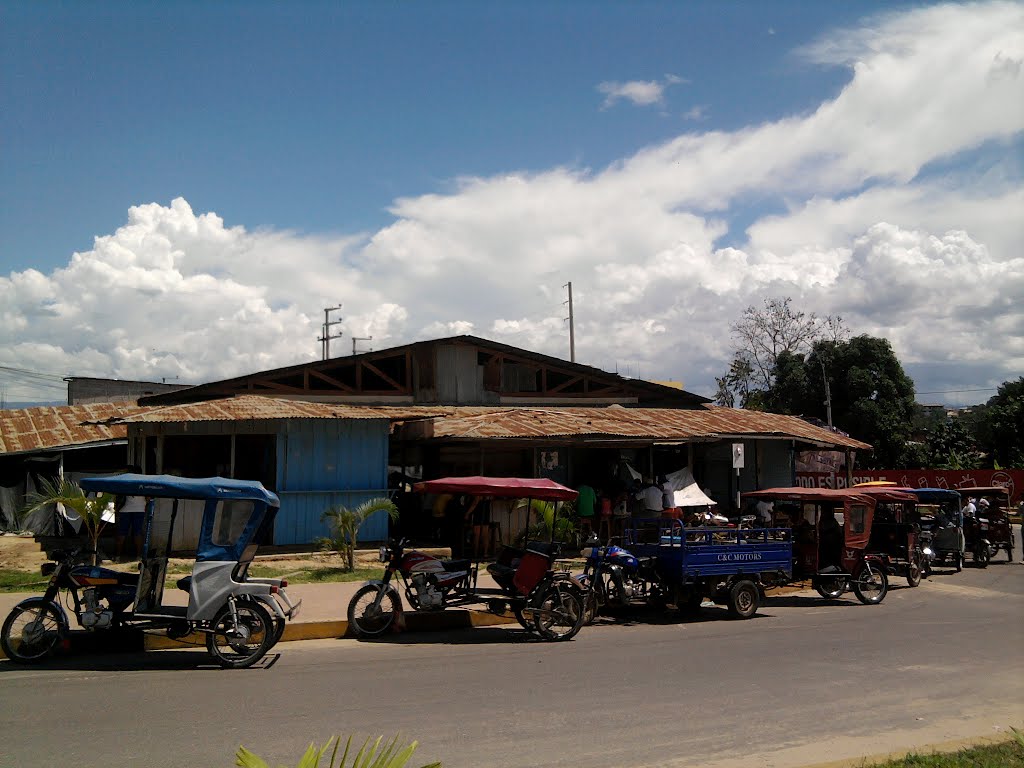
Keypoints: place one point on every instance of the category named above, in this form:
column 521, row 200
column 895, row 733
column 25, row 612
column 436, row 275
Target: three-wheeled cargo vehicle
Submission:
column 989, row 530
column 545, row 601
column 241, row 618
column 729, row 565
column 831, row 529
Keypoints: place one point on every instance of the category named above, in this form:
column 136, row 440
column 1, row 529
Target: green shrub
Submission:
column 387, row 755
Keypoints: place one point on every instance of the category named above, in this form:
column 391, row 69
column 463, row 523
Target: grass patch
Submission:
column 22, row 581
column 1009, row 754
column 315, row 575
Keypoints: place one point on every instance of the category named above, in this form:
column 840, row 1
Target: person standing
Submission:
column 585, row 504
column 130, row 519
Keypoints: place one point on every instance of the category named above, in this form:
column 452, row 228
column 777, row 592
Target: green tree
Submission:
column 73, row 498
column 951, row 446
column 1000, row 426
column 872, row 397
column 345, row 524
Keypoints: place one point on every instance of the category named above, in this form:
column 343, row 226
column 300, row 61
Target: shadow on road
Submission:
column 151, row 661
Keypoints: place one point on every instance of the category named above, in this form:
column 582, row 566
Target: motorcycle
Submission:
column 614, row 577
column 543, row 601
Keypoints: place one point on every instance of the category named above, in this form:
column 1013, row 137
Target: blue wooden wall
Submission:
column 325, row 462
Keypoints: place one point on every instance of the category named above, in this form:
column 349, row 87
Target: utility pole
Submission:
column 828, row 394
column 325, row 347
column 572, row 329
column 359, row 338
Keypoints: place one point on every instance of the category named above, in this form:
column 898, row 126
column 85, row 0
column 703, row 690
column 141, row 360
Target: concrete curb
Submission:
column 942, row 747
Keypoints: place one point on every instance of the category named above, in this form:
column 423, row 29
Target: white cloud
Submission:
column 868, row 225
column 642, row 93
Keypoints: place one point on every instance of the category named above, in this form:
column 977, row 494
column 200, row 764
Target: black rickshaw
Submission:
column 895, row 532
column 989, row 530
column 942, row 528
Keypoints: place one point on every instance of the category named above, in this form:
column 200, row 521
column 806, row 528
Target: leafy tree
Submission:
column 1000, row 427
column 73, row 498
column 951, row 446
column 345, row 524
column 872, row 397
column 760, row 337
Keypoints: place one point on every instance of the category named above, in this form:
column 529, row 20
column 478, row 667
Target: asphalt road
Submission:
column 805, row 681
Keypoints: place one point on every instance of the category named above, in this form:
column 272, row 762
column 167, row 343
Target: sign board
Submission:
column 737, row 455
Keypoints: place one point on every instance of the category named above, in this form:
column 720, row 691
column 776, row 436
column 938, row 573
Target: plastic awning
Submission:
column 500, row 487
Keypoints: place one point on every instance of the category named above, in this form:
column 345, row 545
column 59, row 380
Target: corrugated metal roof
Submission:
column 254, row 407
column 56, row 426
column 640, row 423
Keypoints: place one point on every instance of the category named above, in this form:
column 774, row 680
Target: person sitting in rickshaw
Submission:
column 831, row 538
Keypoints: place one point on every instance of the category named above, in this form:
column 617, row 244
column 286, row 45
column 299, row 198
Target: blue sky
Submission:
column 384, row 152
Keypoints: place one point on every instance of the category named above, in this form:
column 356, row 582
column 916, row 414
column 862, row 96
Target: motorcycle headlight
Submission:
column 383, row 554
column 928, row 551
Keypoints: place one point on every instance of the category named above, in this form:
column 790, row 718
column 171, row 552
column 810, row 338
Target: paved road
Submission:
column 803, row 682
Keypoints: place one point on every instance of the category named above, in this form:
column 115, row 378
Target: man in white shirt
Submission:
column 650, row 498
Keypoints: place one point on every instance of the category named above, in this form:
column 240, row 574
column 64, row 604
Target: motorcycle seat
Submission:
column 457, row 565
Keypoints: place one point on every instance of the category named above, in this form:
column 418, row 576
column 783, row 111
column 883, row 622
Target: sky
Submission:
column 184, row 187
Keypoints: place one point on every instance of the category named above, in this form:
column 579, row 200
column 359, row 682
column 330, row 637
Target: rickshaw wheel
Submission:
column 914, row 573
column 564, row 613
column 958, row 561
column 871, row 586
column 831, row 588
column 35, row 640
column 367, row 621
column 589, row 609
column 743, row 599
column 237, row 646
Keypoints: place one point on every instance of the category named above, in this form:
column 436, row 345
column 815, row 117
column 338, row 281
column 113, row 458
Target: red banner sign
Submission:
column 923, row 478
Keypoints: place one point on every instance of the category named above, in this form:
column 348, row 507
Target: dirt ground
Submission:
column 20, row 554
column 23, row 554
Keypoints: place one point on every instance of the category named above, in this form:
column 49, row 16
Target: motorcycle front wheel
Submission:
column 237, row 644
column 914, row 573
column 32, row 631
column 560, row 613
column 369, row 617
column 871, row 586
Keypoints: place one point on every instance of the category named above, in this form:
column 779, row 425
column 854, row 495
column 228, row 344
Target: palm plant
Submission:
column 367, row 757
column 544, row 516
column 68, row 494
column 345, row 524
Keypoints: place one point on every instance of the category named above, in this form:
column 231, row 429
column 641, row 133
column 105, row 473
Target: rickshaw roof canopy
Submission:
column 935, row 495
column 500, row 487
column 798, row 493
column 172, row 486
column 986, row 490
column 886, row 492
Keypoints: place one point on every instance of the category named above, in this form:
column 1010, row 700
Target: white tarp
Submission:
column 685, row 490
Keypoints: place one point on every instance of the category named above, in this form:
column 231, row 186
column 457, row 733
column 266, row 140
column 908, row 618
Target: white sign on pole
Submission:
column 737, row 455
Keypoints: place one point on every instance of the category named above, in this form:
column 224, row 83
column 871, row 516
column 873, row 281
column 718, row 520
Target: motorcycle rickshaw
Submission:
column 942, row 529
column 895, row 531
column 989, row 530
column 230, row 609
column 831, row 529
column 544, row 601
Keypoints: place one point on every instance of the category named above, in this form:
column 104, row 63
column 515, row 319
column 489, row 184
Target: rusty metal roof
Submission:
column 31, row 429
column 254, row 407
column 638, row 423
column 56, row 426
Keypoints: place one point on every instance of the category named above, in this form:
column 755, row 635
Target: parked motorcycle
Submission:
column 546, row 602
column 614, row 577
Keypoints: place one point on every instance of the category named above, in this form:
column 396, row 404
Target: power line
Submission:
column 951, row 391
